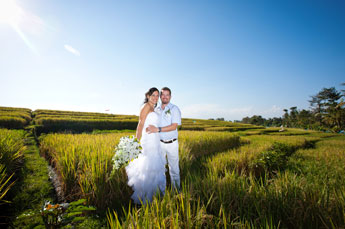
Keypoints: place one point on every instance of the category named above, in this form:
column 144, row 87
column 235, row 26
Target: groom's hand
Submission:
column 151, row 129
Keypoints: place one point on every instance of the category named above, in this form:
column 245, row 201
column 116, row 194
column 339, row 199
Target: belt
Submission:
column 170, row 141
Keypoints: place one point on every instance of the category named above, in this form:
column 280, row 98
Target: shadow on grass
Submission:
column 194, row 156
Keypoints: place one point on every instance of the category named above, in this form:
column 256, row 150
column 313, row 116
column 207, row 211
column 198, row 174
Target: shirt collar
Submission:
column 167, row 106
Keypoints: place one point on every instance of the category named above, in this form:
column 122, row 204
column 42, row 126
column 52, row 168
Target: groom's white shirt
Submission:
column 170, row 114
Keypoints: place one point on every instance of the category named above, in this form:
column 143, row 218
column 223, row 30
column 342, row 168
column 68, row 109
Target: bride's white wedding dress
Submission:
column 146, row 174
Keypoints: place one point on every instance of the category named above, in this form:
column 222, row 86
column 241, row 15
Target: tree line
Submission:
column 327, row 112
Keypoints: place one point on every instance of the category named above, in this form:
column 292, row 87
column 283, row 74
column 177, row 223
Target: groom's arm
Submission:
column 153, row 129
column 175, row 122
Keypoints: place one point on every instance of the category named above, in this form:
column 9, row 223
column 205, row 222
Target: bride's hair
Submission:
column 149, row 93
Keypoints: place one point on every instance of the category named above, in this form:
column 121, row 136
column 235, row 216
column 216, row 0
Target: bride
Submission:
column 146, row 174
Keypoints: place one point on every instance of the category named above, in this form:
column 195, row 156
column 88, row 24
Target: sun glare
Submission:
column 10, row 12
column 20, row 20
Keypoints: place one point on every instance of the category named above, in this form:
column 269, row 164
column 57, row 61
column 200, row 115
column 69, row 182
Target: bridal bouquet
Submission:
column 128, row 149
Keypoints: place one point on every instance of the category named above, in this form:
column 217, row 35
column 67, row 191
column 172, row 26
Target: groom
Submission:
column 170, row 119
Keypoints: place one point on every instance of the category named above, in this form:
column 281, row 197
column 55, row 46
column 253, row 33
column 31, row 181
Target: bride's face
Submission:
column 153, row 99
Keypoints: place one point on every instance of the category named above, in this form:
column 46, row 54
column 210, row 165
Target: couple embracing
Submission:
column 157, row 132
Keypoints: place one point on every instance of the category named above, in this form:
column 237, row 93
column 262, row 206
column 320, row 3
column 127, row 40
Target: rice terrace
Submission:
column 233, row 175
column 172, row 114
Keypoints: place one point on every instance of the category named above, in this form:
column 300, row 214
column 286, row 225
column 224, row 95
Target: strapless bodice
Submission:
column 151, row 119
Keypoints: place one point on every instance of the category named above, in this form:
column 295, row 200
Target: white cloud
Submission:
column 72, row 50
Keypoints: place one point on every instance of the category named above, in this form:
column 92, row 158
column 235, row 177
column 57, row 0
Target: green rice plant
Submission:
column 197, row 144
column 14, row 118
column 233, row 128
column 48, row 121
column 192, row 127
column 12, row 122
column 83, row 163
column 220, row 182
column 288, row 199
column 22, row 114
column 47, row 125
column 14, row 109
column 275, row 158
column 74, row 113
column 12, row 146
column 5, row 183
column 173, row 210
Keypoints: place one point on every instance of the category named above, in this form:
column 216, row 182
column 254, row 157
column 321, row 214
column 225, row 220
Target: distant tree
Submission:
column 326, row 108
column 317, row 108
column 342, row 102
column 246, row 120
column 220, row 119
column 327, row 112
column 293, row 116
column 257, row 120
column 305, row 119
column 341, row 105
column 277, row 121
column 286, row 117
column 260, row 121
column 268, row 122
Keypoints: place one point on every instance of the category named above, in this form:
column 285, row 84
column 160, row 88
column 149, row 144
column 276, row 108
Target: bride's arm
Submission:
column 142, row 117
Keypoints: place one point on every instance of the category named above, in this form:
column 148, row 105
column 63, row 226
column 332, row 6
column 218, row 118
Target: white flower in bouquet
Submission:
column 128, row 149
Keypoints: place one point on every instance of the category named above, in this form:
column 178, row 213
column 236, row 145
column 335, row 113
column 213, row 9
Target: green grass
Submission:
column 32, row 189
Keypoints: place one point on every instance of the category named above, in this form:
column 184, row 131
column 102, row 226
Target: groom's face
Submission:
column 165, row 97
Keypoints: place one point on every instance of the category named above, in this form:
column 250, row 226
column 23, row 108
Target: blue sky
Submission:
column 226, row 59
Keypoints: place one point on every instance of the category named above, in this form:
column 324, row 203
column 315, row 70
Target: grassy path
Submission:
column 32, row 188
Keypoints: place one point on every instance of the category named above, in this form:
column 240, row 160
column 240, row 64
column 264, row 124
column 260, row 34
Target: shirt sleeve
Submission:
column 176, row 115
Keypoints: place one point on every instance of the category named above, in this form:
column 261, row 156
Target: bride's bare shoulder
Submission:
column 145, row 109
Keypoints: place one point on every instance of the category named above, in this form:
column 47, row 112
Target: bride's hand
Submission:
column 151, row 129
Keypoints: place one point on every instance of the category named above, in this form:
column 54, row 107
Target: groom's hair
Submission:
column 166, row 89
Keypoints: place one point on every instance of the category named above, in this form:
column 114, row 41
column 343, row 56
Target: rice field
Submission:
column 51, row 121
column 14, row 118
column 257, row 180
column 232, row 175
column 12, row 146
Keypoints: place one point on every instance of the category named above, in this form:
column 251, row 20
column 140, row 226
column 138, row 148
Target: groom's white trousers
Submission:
column 171, row 151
